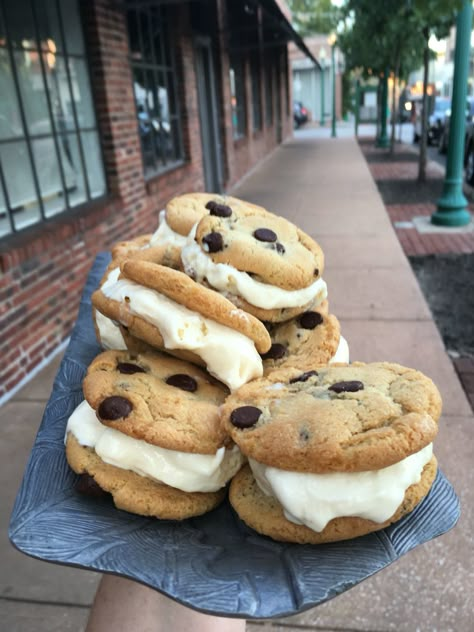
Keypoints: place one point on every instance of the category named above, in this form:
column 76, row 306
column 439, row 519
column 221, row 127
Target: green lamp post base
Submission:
column 451, row 208
column 383, row 142
column 451, row 217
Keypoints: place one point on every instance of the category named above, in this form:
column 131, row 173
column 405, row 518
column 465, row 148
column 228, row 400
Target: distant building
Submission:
column 108, row 109
column 308, row 77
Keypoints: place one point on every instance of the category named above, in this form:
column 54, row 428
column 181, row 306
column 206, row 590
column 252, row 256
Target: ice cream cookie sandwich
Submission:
column 335, row 452
column 262, row 263
column 148, row 432
column 170, row 311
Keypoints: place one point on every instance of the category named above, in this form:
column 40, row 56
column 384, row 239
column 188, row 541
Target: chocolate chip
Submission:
column 182, row 381
column 304, row 377
column 245, row 416
column 265, row 234
column 275, row 352
column 347, row 387
column 213, row 241
column 316, row 271
column 280, row 248
column 87, row 485
column 219, row 210
column 128, row 368
column 114, row 407
column 310, row 320
column 304, row 435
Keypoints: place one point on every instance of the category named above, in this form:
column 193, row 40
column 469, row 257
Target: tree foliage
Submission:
column 314, row 16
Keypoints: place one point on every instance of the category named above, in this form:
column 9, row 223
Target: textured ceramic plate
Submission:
column 213, row 563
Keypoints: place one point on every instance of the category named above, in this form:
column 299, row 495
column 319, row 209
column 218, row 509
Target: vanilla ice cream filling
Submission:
column 109, row 333
column 229, row 355
column 227, row 279
column 164, row 235
column 315, row 499
column 182, row 470
column 342, row 352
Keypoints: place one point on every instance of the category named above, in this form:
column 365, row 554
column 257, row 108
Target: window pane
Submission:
column 20, row 23
column 5, row 227
column 176, row 139
column 58, row 87
column 81, row 92
column 49, row 178
column 72, row 26
column 73, row 174
column 33, row 92
column 145, row 36
column 133, row 36
column 20, row 184
column 173, row 106
column 156, row 36
column 95, row 170
column 48, row 26
column 164, row 110
column 10, row 120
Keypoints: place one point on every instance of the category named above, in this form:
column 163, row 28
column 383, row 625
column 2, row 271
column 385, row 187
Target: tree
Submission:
column 395, row 39
column 433, row 17
column 313, row 16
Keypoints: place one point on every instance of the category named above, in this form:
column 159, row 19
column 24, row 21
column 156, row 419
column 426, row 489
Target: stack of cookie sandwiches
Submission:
column 223, row 364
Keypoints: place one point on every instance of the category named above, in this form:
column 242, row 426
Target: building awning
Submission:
column 273, row 16
column 273, row 12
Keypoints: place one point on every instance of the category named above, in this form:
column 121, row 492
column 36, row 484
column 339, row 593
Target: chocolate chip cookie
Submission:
column 170, row 311
column 338, row 450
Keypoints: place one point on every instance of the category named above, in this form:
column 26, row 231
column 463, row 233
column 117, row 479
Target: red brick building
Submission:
column 107, row 109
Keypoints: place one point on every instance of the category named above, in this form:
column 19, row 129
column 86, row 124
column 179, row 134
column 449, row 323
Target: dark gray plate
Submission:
column 213, row 563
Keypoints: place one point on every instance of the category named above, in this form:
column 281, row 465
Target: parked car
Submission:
column 435, row 120
column 300, row 113
column 444, row 138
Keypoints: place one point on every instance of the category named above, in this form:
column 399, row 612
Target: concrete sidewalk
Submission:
column 323, row 185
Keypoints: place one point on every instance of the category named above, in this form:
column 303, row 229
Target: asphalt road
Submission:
column 406, row 135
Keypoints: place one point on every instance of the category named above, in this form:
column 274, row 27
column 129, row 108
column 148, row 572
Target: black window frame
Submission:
column 152, row 128
column 239, row 107
column 36, row 45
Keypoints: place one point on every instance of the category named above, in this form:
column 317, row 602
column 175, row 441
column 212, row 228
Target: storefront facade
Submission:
column 107, row 110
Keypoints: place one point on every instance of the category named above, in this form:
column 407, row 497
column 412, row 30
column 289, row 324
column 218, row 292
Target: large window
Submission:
column 50, row 157
column 256, row 95
column 268, row 91
column 237, row 93
column 154, row 84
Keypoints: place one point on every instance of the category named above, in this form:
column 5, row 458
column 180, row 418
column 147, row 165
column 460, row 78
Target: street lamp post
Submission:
column 322, row 61
column 332, row 42
column 452, row 205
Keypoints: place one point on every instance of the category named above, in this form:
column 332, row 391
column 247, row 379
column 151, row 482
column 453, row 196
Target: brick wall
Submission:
column 43, row 269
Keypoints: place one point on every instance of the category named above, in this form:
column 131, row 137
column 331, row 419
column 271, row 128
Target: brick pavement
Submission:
column 403, row 166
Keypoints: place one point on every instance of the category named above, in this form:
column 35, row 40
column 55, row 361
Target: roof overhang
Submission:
column 271, row 10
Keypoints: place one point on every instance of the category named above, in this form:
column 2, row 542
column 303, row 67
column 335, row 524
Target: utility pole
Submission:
column 452, row 205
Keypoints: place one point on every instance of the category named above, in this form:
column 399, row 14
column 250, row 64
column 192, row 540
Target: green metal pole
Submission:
column 333, row 66
column 321, row 120
column 452, row 205
column 383, row 140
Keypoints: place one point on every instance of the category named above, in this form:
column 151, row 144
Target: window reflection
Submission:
column 154, row 89
column 49, row 146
